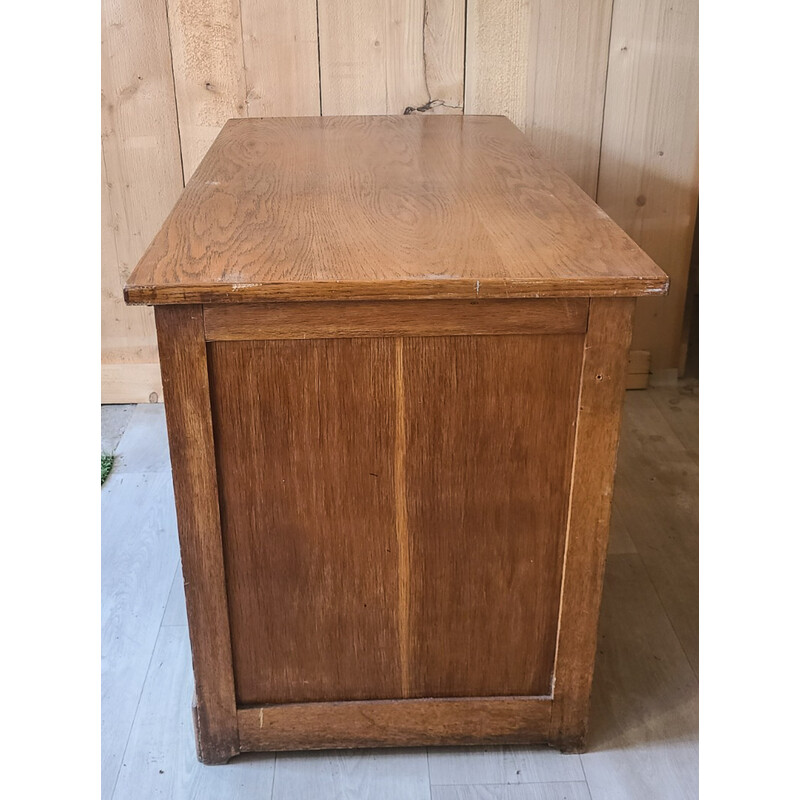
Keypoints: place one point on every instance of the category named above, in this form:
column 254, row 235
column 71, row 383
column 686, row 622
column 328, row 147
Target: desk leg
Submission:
column 596, row 439
column 184, row 372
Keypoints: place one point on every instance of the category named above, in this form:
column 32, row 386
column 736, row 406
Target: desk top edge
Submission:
column 500, row 220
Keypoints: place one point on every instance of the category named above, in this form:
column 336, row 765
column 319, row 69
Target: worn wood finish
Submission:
column 489, row 423
column 393, row 723
column 304, row 435
column 395, row 318
column 191, row 443
column 596, row 438
column 384, row 207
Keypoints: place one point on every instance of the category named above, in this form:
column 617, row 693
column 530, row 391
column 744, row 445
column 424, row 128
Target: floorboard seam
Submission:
column 141, row 689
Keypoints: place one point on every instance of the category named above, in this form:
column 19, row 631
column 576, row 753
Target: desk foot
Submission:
column 210, row 751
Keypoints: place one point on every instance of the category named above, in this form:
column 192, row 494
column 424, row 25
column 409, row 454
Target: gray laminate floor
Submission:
column 643, row 742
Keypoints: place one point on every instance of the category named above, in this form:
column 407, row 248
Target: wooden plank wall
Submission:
column 607, row 89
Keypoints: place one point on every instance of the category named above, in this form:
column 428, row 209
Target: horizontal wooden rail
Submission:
column 394, row 723
column 333, row 319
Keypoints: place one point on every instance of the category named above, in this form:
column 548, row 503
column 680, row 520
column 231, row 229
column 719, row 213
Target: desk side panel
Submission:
column 489, row 439
column 305, row 444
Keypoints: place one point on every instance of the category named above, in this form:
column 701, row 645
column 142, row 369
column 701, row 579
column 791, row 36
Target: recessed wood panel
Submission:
column 489, row 439
column 304, row 432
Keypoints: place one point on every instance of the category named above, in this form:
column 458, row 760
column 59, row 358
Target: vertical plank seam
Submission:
column 464, row 70
column 605, row 98
column 244, row 62
column 218, row 491
column 107, row 190
column 319, row 60
column 401, row 518
column 570, row 505
column 175, row 94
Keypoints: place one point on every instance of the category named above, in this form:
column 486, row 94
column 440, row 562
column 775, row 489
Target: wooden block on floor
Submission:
column 638, row 369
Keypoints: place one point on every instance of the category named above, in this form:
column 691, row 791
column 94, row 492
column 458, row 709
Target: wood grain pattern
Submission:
column 488, row 463
column 394, row 318
column 208, row 70
column 381, row 58
column 497, row 58
column 596, row 439
column 191, row 443
column 304, row 434
column 394, row 723
column 139, row 140
column 648, row 178
column 384, row 207
column 131, row 383
column 280, row 58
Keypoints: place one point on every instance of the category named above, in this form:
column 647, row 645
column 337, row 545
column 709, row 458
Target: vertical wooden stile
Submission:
column 596, row 438
column 182, row 349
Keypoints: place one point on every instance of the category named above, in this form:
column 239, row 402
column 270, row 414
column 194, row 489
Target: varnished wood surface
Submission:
column 369, row 552
column 319, row 726
column 336, row 319
column 304, row 434
column 191, row 446
column 596, row 438
column 384, row 207
column 489, row 424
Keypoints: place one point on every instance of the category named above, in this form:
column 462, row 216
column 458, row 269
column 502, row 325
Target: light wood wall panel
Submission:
column 496, row 64
column 384, row 57
column 280, row 58
column 208, row 67
column 141, row 179
column 567, row 84
column 607, row 89
column 543, row 65
column 648, row 167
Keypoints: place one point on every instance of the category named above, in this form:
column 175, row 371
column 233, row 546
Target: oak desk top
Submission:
column 392, row 207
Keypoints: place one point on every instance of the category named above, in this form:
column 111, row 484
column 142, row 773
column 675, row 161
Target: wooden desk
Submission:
column 393, row 352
